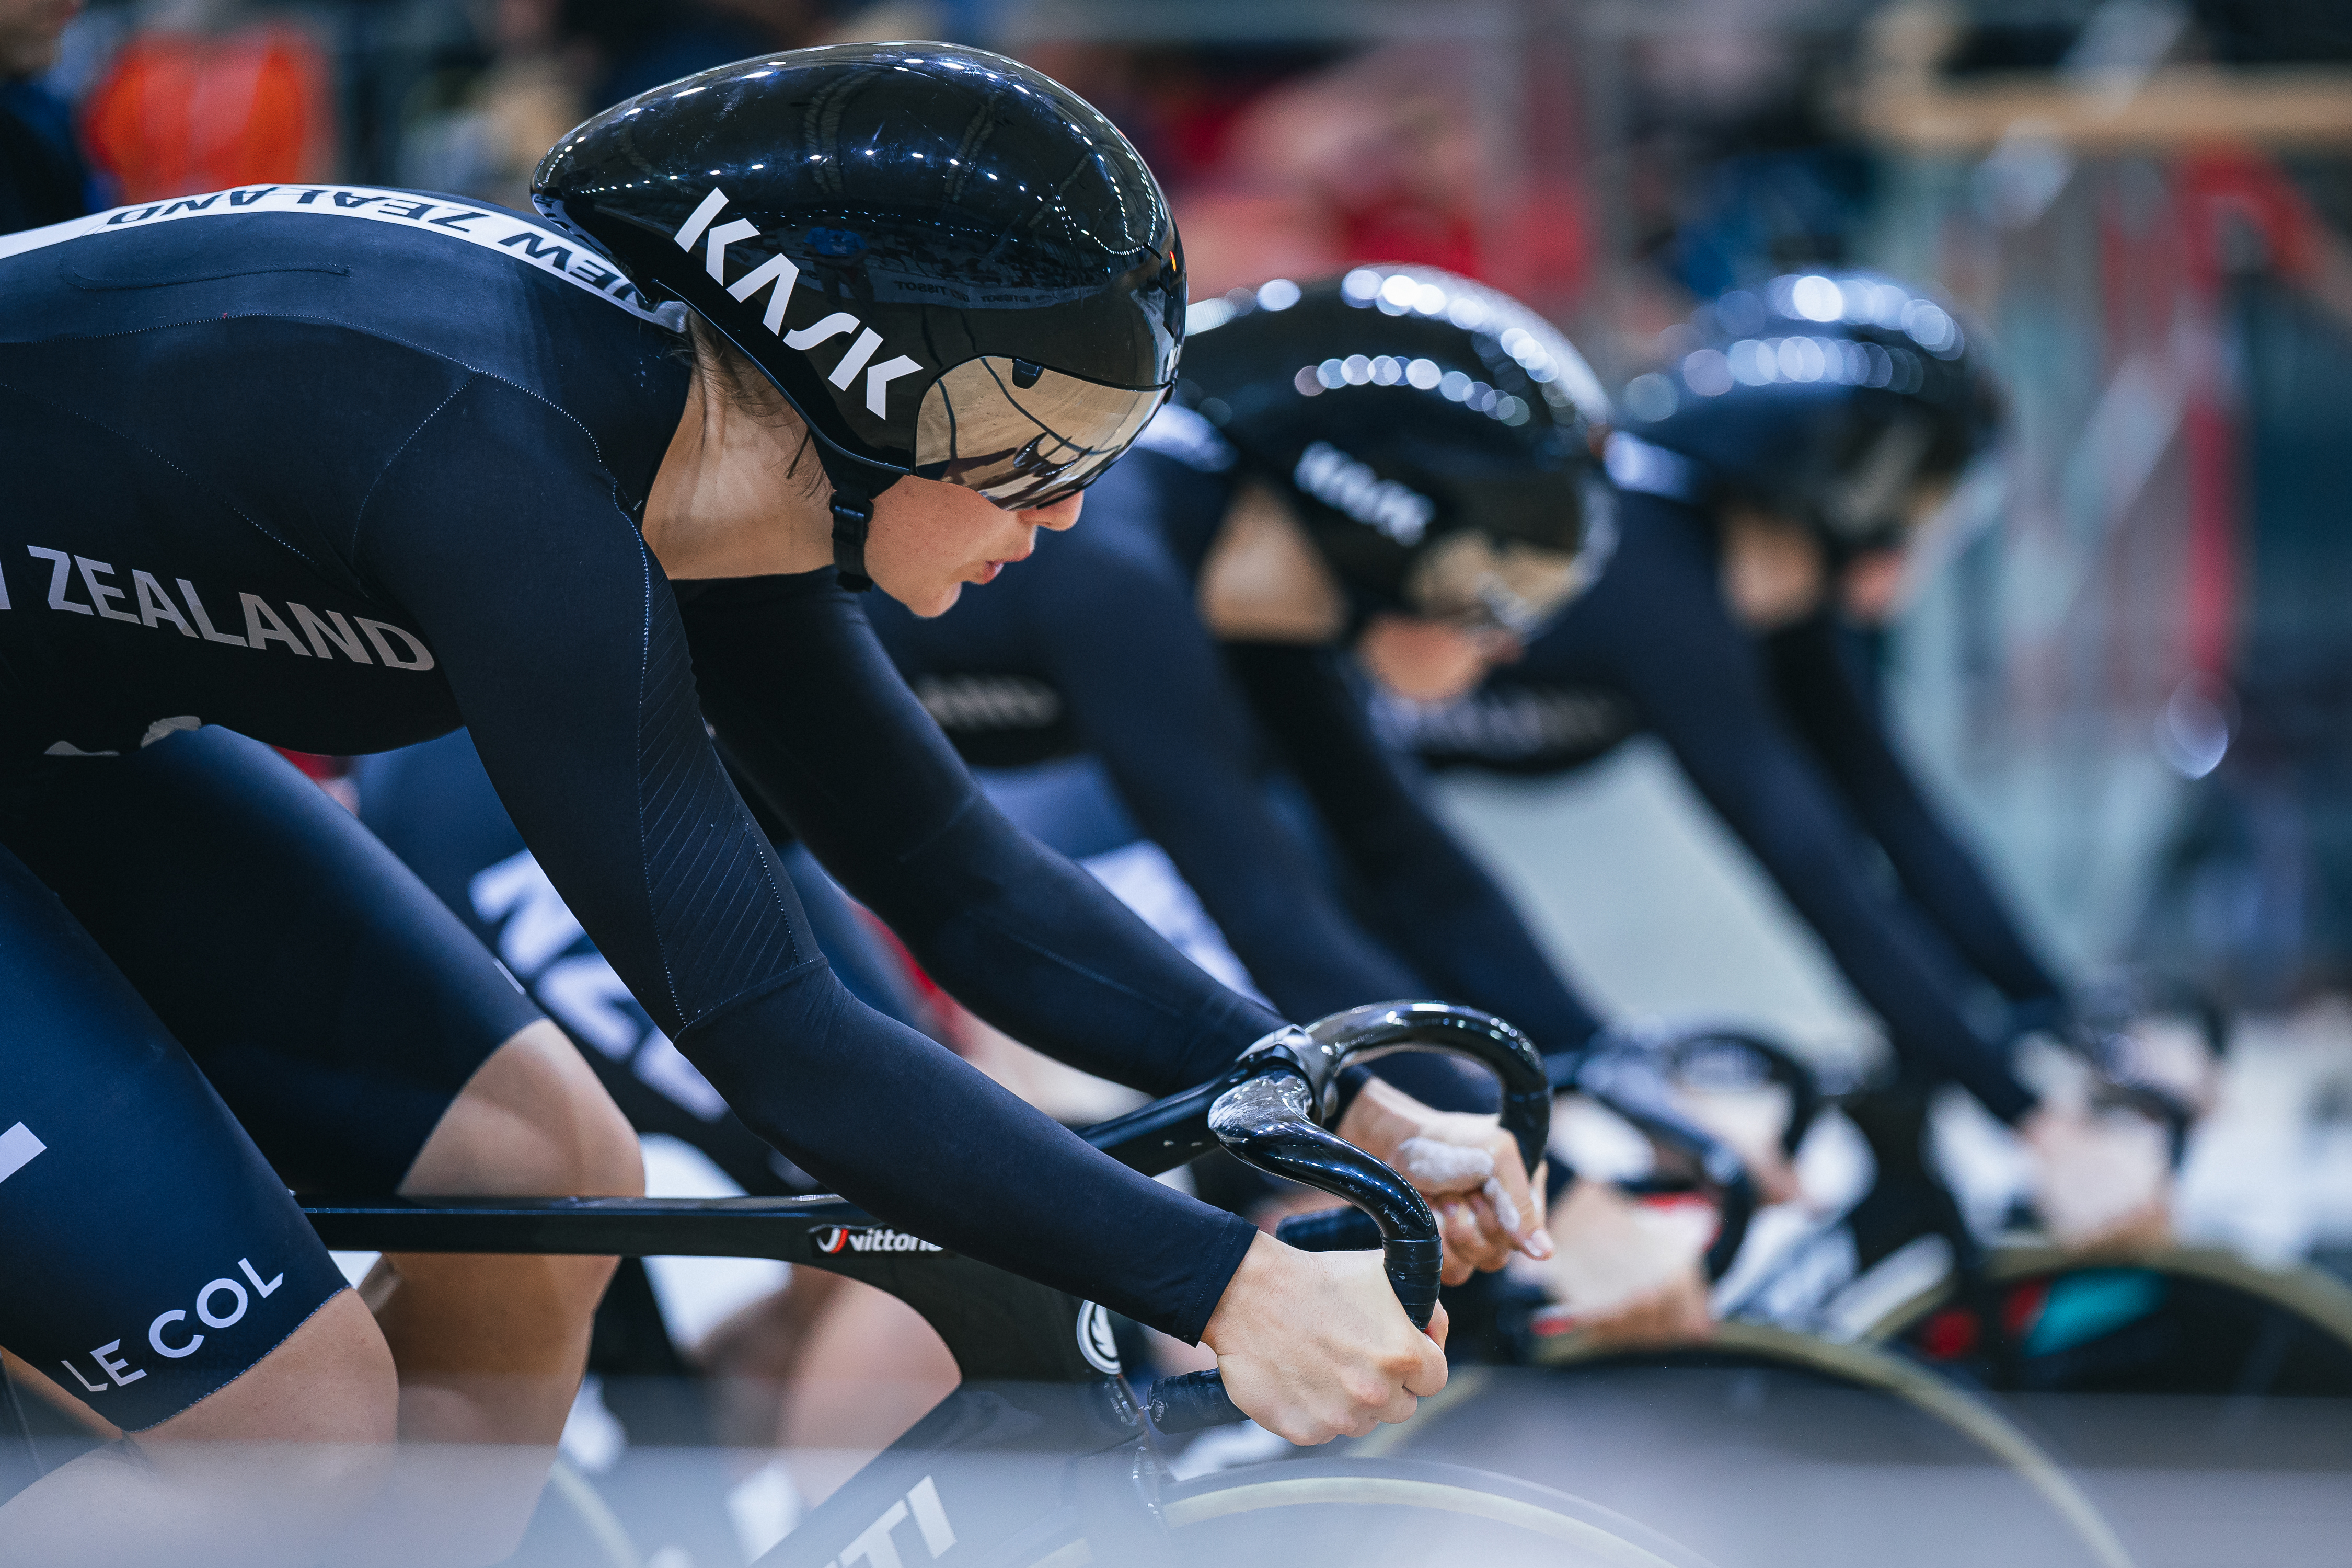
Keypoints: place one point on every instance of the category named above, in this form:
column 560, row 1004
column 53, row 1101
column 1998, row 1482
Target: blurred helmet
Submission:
column 1849, row 402
column 1435, row 438
column 950, row 264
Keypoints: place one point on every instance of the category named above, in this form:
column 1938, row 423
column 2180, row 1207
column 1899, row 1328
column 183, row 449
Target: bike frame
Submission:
column 1040, row 1375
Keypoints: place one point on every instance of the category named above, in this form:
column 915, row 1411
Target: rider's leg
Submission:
column 302, row 1441
column 160, row 1274
column 490, row 1348
column 367, row 1043
column 869, row 1368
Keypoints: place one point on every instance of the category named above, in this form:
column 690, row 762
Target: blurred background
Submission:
column 2122, row 659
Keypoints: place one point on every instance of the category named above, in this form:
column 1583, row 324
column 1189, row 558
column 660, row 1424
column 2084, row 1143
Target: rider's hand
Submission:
column 1313, row 1345
column 2102, row 1180
column 1629, row 1274
column 1466, row 1166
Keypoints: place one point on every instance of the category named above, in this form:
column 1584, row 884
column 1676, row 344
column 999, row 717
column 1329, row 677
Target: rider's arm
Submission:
column 1818, row 691
column 1700, row 682
column 813, row 715
column 1437, row 904
column 562, row 642
column 1115, row 621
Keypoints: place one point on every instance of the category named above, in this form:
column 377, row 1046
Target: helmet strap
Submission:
column 853, row 512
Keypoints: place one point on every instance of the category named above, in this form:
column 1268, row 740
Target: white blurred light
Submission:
column 1206, row 315
column 2192, row 733
column 1360, row 287
column 1816, row 299
column 1466, row 311
column 1422, row 374
column 1801, row 359
column 1652, row 397
column 1707, row 372
column 1741, row 312
column 1330, row 373
column 1277, row 294
column 1454, row 385
column 1881, row 366
column 1400, row 289
column 1429, row 300
column 1309, row 383
column 1386, row 371
column 1753, row 364
column 1356, row 370
column 1511, row 411
column 1928, row 326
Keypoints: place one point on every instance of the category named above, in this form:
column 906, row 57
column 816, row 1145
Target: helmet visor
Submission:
column 1475, row 580
column 1023, row 435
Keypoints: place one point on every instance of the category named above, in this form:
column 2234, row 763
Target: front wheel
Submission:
column 1390, row 1513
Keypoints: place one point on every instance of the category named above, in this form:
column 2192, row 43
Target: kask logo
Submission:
column 777, row 275
column 839, row 1238
column 1339, row 482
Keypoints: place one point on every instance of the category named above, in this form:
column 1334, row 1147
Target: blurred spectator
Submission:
column 644, row 43
column 203, row 97
column 480, row 131
column 43, row 179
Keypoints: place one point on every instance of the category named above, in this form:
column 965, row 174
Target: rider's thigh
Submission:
column 533, row 1120
column 153, row 1258
column 337, row 1006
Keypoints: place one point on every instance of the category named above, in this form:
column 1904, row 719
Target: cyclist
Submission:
column 1771, row 483
column 1395, row 467
column 342, row 469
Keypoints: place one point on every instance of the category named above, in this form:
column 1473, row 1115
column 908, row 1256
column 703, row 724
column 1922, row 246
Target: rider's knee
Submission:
column 533, row 1120
column 329, row 1381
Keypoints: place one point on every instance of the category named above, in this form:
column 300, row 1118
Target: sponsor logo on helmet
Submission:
column 1343, row 483
column 777, row 275
column 838, row 1238
column 1094, row 1341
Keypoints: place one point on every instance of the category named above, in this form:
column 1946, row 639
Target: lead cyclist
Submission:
column 339, row 469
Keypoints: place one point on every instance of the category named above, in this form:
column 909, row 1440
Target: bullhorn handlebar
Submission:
column 1271, row 1115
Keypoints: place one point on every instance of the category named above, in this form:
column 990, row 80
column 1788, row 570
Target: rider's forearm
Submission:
column 1837, row 720
column 1444, row 914
column 1040, row 949
column 1778, row 805
column 902, row 1127
column 1017, row 933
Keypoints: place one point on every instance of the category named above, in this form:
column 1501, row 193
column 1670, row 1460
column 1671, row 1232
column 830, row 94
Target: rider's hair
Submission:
column 726, row 372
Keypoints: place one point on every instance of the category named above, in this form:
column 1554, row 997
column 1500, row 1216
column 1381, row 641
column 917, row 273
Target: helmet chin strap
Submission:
column 852, row 513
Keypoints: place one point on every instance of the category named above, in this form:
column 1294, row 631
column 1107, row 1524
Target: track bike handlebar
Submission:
column 1688, row 1049
column 1269, row 1117
column 1625, row 1074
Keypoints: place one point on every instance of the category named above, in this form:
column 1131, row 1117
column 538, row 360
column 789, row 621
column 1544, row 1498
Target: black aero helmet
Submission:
column 1435, row 438
column 951, row 266
column 1838, row 400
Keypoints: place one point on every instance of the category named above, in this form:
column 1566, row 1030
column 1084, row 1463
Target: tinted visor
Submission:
column 1540, row 544
column 1023, row 435
column 1476, row 581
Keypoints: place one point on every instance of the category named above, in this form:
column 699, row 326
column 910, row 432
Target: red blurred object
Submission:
column 1949, row 1335
column 315, row 766
column 179, row 114
column 2022, row 1307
